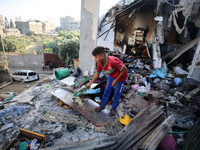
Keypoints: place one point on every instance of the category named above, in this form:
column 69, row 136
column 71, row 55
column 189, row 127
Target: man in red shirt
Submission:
column 117, row 74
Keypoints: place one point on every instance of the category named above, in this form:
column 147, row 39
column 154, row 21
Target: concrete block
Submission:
column 6, row 127
column 58, row 131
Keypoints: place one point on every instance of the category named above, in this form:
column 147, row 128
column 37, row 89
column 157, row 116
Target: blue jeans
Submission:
column 117, row 92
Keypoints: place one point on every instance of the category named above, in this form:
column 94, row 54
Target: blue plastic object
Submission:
column 93, row 91
column 158, row 72
column 177, row 81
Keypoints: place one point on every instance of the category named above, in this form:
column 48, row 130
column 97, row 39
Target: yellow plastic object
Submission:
column 125, row 120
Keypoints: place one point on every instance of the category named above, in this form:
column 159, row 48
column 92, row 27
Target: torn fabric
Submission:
column 185, row 7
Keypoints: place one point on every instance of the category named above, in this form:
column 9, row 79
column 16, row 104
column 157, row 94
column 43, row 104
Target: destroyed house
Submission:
column 159, row 30
column 158, row 41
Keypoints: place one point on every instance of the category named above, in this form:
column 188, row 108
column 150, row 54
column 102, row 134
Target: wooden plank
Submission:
column 153, row 141
column 146, row 120
column 194, row 72
column 87, row 109
column 180, row 51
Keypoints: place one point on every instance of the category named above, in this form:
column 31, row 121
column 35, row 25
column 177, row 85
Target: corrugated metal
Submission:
column 53, row 58
column 192, row 141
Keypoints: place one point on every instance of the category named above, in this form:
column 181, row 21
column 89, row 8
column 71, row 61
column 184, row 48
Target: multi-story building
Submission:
column 48, row 27
column 15, row 32
column 2, row 27
column 69, row 23
column 36, row 26
column 27, row 26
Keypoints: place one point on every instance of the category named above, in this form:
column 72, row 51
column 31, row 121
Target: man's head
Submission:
column 99, row 54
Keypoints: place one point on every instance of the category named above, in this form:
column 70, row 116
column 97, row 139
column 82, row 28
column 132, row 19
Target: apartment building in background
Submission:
column 36, row 26
column 2, row 27
column 48, row 27
column 69, row 23
column 27, row 26
column 12, row 31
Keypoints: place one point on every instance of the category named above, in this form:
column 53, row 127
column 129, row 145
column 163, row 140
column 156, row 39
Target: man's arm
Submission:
column 114, row 83
column 96, row 75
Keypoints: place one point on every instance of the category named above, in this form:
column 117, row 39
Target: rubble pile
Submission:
column 39, row 109
column 159, row 106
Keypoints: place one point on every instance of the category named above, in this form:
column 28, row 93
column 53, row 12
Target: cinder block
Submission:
column 58, row 131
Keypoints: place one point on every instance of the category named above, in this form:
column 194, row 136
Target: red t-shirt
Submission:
column 113, row 67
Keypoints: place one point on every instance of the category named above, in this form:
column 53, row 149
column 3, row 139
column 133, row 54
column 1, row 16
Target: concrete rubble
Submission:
column 161, row 95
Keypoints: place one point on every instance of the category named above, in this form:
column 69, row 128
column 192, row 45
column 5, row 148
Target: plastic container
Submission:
column 177, row 81
column 60, row 74
column 168, row 143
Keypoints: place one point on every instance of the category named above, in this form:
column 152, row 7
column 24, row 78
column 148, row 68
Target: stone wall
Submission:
column 5, row 76
column 25, row 61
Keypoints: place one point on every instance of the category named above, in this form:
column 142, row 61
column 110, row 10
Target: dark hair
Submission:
column 98, row 50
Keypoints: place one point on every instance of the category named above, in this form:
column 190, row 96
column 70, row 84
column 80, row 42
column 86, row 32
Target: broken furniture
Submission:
column 29, row 135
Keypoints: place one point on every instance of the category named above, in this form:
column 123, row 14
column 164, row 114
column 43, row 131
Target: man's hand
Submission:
column 114, row 83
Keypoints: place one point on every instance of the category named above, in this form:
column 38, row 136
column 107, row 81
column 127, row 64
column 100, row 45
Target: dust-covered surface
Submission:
column 33, row 120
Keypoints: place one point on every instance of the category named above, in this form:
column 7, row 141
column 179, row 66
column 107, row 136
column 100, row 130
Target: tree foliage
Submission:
column 66, row 42
column 12, row 45
column 70, row 47
column 11, row 24
column 6, row 23
column 30, row 33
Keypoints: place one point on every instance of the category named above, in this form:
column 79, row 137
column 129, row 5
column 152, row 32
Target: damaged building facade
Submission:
column 152, row 29
column 158, row 41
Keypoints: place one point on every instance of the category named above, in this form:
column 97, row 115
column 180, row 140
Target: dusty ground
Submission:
column 17, row 87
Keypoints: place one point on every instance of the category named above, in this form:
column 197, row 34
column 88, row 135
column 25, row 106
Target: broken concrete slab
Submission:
column 148, row 118
column 25, row 99
column 87, row 109
column 68, row 81
column 114, row 127
column 65, row 118
column 58, row 131
column 6, row 127
column 138, row 102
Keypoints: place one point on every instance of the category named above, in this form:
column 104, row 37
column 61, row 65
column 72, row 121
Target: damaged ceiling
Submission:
column 136, row 25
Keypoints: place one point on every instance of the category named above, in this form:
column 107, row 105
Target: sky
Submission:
column 47, row 9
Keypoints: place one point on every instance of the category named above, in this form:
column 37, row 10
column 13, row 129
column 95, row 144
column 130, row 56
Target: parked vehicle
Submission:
column 25, row 75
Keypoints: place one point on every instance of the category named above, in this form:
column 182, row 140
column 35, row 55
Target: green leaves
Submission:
column 14, row 45
column 70, row 46
column 66, row 43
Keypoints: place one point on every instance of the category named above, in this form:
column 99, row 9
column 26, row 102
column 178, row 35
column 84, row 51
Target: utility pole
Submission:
column 4, row 54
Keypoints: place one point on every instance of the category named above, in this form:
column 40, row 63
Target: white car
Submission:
column 25, row 75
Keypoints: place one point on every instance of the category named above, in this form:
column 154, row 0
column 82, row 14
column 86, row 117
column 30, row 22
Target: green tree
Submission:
column 70, row 47
column 11, row 24
column 55, row 46
column 6, row 23
column 14, row 45
column 30, row 33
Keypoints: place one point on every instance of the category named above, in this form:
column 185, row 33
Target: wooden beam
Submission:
column 153, row 141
